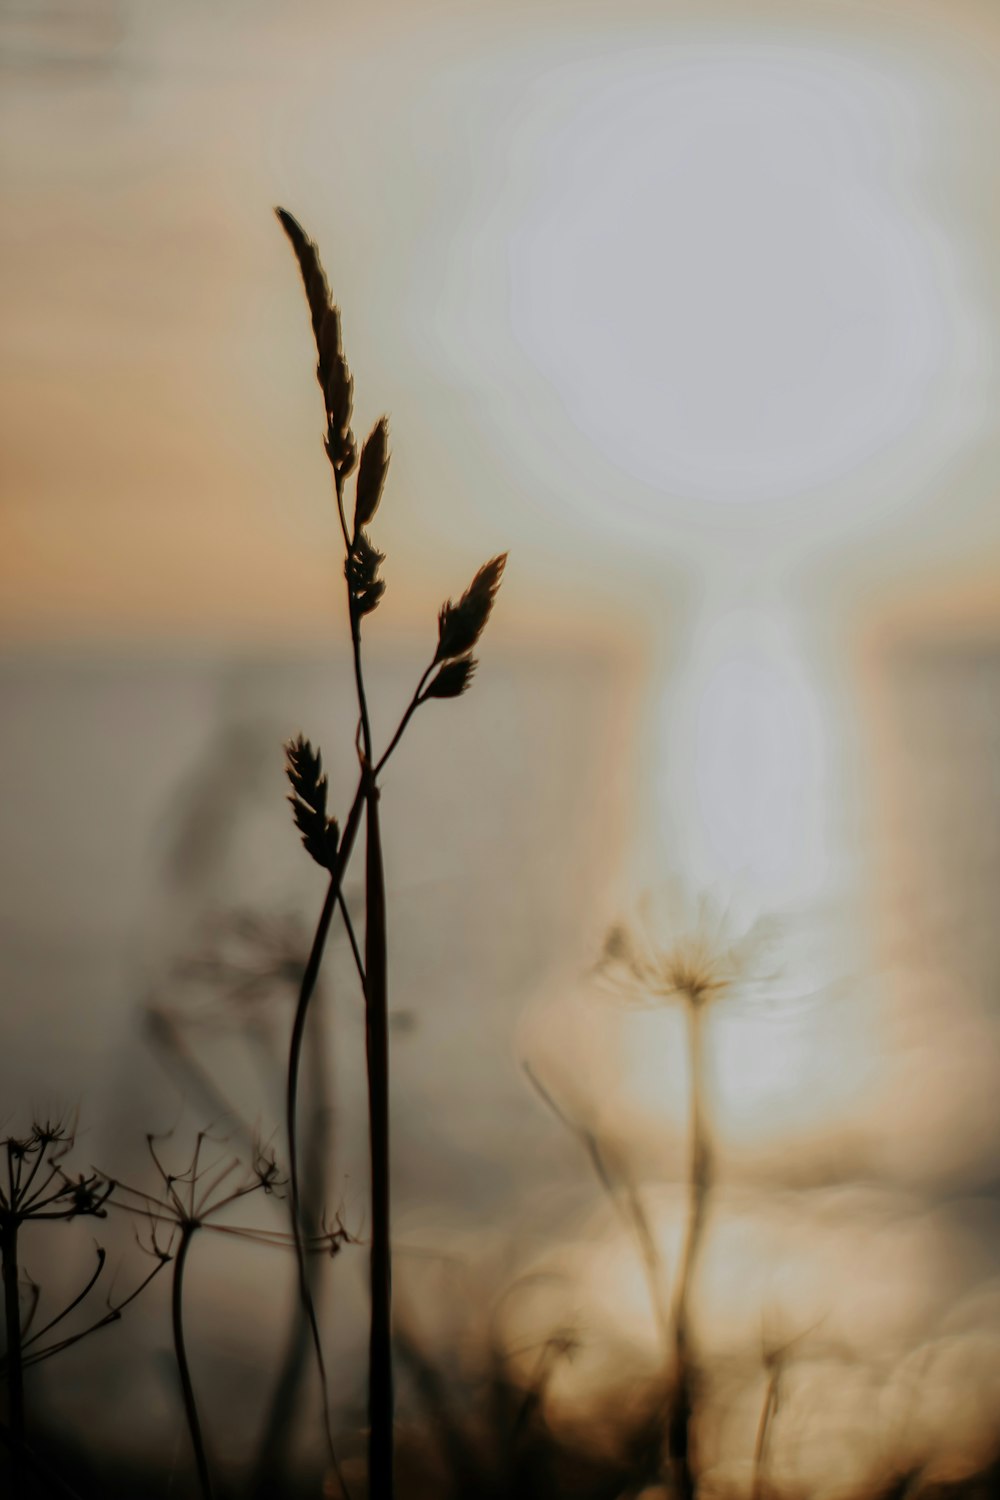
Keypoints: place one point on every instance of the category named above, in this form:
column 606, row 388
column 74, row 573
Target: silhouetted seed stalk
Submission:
column 448, row 675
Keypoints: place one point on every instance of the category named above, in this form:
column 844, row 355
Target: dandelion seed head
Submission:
column 666, row 953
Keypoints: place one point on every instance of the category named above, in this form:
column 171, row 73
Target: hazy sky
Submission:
column 651, row 293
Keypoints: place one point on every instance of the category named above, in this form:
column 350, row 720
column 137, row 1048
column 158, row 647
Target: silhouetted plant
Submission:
column 191, row 1200
column 448, row 674
column 35, row 1187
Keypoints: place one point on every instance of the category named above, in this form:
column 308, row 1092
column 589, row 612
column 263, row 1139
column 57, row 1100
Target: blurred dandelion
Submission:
column 667, row 953
column 694, row 952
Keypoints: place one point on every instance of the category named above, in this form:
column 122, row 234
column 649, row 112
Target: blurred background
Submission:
column 694, row 309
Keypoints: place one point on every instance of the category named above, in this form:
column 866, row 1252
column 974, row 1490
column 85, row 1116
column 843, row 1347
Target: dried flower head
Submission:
column 666, row 954
column 35, row 1184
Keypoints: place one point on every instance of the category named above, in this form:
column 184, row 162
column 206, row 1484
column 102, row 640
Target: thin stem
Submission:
column 15, row 1352
column 380, row 1392
column 380, row 1398
column 308, row 985
column 23, row 1189
column 359, row 962
column 187, row 1389
column 699, row 1186
column 306, row 990
column 412, row 707
column 112, row 1315
column 80, row 1296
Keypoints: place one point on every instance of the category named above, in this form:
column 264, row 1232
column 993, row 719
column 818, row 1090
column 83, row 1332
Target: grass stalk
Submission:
column 448, row 676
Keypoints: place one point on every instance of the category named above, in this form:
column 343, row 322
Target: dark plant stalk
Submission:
column 380, row 1392
column 15, row 1352
column 699, row 1187
column 187, row 1389
column 375, row 984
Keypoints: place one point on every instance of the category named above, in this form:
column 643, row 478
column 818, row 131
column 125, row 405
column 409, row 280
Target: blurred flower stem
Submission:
column 700, row 1168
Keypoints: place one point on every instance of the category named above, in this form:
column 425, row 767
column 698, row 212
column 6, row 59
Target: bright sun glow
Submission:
column 723, row 275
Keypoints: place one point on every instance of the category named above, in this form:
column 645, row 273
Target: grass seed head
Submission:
column 460, row 625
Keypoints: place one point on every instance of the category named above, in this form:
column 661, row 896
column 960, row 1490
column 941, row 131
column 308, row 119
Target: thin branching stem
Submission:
column 112, row 1315
column 411, row 709
column 80, row 1297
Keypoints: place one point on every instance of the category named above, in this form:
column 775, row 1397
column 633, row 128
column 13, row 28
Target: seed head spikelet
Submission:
column 304, row 769
column 372, row 470
column 452, row 679
column 363, row 563
column 460, row 625
column 332, row 370
column 313, row 278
